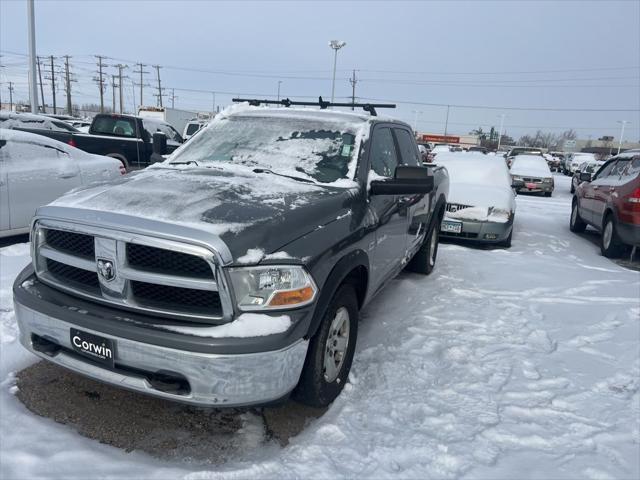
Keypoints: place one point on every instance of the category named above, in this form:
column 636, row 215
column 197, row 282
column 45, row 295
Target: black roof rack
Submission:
column 367, row 107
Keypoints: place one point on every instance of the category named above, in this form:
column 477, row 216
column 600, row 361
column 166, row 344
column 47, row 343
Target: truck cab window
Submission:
column 384, row 159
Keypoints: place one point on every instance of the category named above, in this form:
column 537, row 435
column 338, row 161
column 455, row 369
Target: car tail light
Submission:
column 72, row 142
column 634, row 197
column 123, row 170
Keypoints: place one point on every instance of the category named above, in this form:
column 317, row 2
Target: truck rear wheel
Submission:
column 331, row 350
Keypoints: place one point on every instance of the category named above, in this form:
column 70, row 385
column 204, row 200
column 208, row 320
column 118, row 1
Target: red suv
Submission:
column 611, row 203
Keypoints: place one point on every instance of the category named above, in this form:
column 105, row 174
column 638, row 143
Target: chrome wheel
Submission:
column 433, row 241
column 607, row 234
column 336, row 345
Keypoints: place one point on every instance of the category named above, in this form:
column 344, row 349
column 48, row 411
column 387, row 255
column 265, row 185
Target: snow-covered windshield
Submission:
column 309, row 148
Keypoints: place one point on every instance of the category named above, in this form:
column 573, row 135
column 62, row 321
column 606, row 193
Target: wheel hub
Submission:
column 336, row 345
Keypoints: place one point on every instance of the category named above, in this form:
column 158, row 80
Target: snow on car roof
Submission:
column 477, row 179
column 33, row 138
column 530, row 165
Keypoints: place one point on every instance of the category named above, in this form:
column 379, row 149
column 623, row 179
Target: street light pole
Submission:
column 33, row 84
column 623, row 122
column 502, row 115
column 279, row 83
column 446, row 122
column 415, row 120
column 336, row 45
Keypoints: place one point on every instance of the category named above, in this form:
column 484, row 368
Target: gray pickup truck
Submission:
column 233, row 273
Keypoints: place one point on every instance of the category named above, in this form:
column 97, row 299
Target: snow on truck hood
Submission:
column 242, row 207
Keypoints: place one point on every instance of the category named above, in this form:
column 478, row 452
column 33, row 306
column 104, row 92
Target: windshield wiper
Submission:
column 266, row 170
column 188, row 162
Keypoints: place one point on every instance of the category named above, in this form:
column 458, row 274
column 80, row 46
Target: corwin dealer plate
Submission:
column 99, row 349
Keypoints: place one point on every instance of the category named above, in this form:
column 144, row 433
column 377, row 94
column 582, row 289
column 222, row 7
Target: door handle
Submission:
column 67, row 175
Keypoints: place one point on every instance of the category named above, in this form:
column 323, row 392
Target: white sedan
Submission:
column 35, row 170
column 481, row 204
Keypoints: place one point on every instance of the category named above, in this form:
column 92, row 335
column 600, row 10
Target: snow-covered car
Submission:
column 41, row 124
column 577, row 159
column 515, row 151
column 481, row 205
column 35, row 170
column 552, row 161
column 590, row 167
column 437, row 149
column 530, row 173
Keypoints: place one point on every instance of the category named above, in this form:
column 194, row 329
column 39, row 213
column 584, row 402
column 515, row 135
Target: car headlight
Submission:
column 499, row 215
column 272, row 287
column 547, row 180
column 516, row 178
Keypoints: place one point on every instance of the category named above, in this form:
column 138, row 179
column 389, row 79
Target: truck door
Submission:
column 417, row 206
column 390, row 219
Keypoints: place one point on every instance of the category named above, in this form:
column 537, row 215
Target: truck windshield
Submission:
column 318, row 150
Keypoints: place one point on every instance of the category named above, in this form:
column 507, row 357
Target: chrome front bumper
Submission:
column 478, row 231
column 215, row 380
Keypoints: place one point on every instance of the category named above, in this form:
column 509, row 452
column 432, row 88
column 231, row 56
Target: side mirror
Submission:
column 407, row 180
column 159, row 143
column 585, row 177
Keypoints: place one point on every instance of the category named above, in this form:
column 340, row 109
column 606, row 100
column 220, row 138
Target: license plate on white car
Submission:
column 451, row 227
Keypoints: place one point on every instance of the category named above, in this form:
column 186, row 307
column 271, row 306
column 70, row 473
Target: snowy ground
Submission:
column 502, row 364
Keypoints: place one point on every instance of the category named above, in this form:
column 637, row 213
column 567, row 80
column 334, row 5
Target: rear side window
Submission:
column 192, row 128
column 383, row 153
column 606, row 170
column 121, row 127
column 408, row 151
column 633, row 168
column 619, row 167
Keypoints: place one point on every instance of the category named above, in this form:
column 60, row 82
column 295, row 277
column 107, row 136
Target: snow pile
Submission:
column 253, row 256
column 246, row 325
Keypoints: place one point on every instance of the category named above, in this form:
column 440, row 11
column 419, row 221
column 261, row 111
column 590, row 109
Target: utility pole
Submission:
column 100, row 81
column 213, row 104
column 44, row 109
column 11, row 96
column 68, row 83
column 353, row 80
column 446, row 122
column 415, row 119
column 53, row 84
column 33, row 85
column 279, row 83
column 158, row 67
column 141, row 72
column 113, row 91
column 173, row 97
column 120, row 67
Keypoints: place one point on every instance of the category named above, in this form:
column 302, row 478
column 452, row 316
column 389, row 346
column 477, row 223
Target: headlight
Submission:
column 272, row 287
column 499, row 215
column 547, row 180
column 516, row 178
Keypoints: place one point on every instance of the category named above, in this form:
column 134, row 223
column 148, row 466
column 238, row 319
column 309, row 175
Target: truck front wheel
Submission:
column 331, row 350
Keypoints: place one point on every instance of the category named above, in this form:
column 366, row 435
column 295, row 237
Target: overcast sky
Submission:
column 542, row 54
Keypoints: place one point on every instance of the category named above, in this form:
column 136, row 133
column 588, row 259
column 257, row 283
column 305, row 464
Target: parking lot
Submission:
column 471, row 371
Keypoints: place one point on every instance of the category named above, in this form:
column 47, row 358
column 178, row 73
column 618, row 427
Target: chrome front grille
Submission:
column 454, row 207
column 532, row 180
column 149, row 274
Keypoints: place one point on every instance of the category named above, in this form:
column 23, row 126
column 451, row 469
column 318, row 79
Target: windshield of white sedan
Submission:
column 309, row 149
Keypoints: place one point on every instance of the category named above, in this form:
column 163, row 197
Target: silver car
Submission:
column 35, row 170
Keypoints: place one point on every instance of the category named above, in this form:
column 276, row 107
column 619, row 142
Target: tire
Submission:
column 424, row 261
column 319, row 385
column 573, row 188
column 576, row 224
column 548, row 194
column 507, row 241
column 610, row 244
